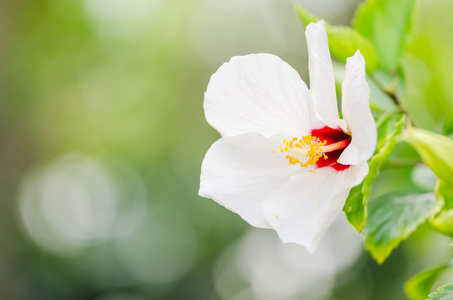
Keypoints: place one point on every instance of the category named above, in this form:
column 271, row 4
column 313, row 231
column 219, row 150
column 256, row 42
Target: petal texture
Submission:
column 302, row 210
column 258, row 93
column 357, row 113
column 322, row 79
column 239, row 172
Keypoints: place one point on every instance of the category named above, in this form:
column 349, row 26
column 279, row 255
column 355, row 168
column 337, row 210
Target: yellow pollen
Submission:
column 304, row 151
column 276, row 216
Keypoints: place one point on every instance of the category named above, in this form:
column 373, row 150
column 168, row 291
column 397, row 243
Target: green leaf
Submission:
column 448, row 124
column 443, row 293
column 355, row 206
column 392, row 218
column 387, row 24
column 428, row 92
column 418, row 287
column 343, row 41
column 445, row 192
column 382, row 155
column 355, row 209
column 435, row 150
column 306, row 17
column 442, row 221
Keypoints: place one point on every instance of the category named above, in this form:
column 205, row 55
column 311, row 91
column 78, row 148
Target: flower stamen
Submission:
column 309, row 149
column 304, row 151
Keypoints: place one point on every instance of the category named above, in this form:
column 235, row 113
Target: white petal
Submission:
column 357, row 113
column 258, row 93
column 303, row 209
column 322, row 79
column 239, row 172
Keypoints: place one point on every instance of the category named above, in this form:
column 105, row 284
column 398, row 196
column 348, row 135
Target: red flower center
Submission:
column 332, row 136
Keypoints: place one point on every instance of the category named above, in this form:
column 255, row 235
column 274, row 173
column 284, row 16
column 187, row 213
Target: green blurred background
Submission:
column 103, row 133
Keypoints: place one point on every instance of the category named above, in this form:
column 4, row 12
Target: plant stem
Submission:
column 390, row 93
column 386, row 115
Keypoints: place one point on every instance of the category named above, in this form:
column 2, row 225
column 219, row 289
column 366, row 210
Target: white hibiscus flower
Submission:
column 286, row 160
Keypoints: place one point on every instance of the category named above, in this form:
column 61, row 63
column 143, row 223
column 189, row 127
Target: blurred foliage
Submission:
column 443, row 292
column 418, row 287
column 103, row 135
column 427, row 93
column 344, row 41
column 435, row 150
column 442, row 221
column 387, row 25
